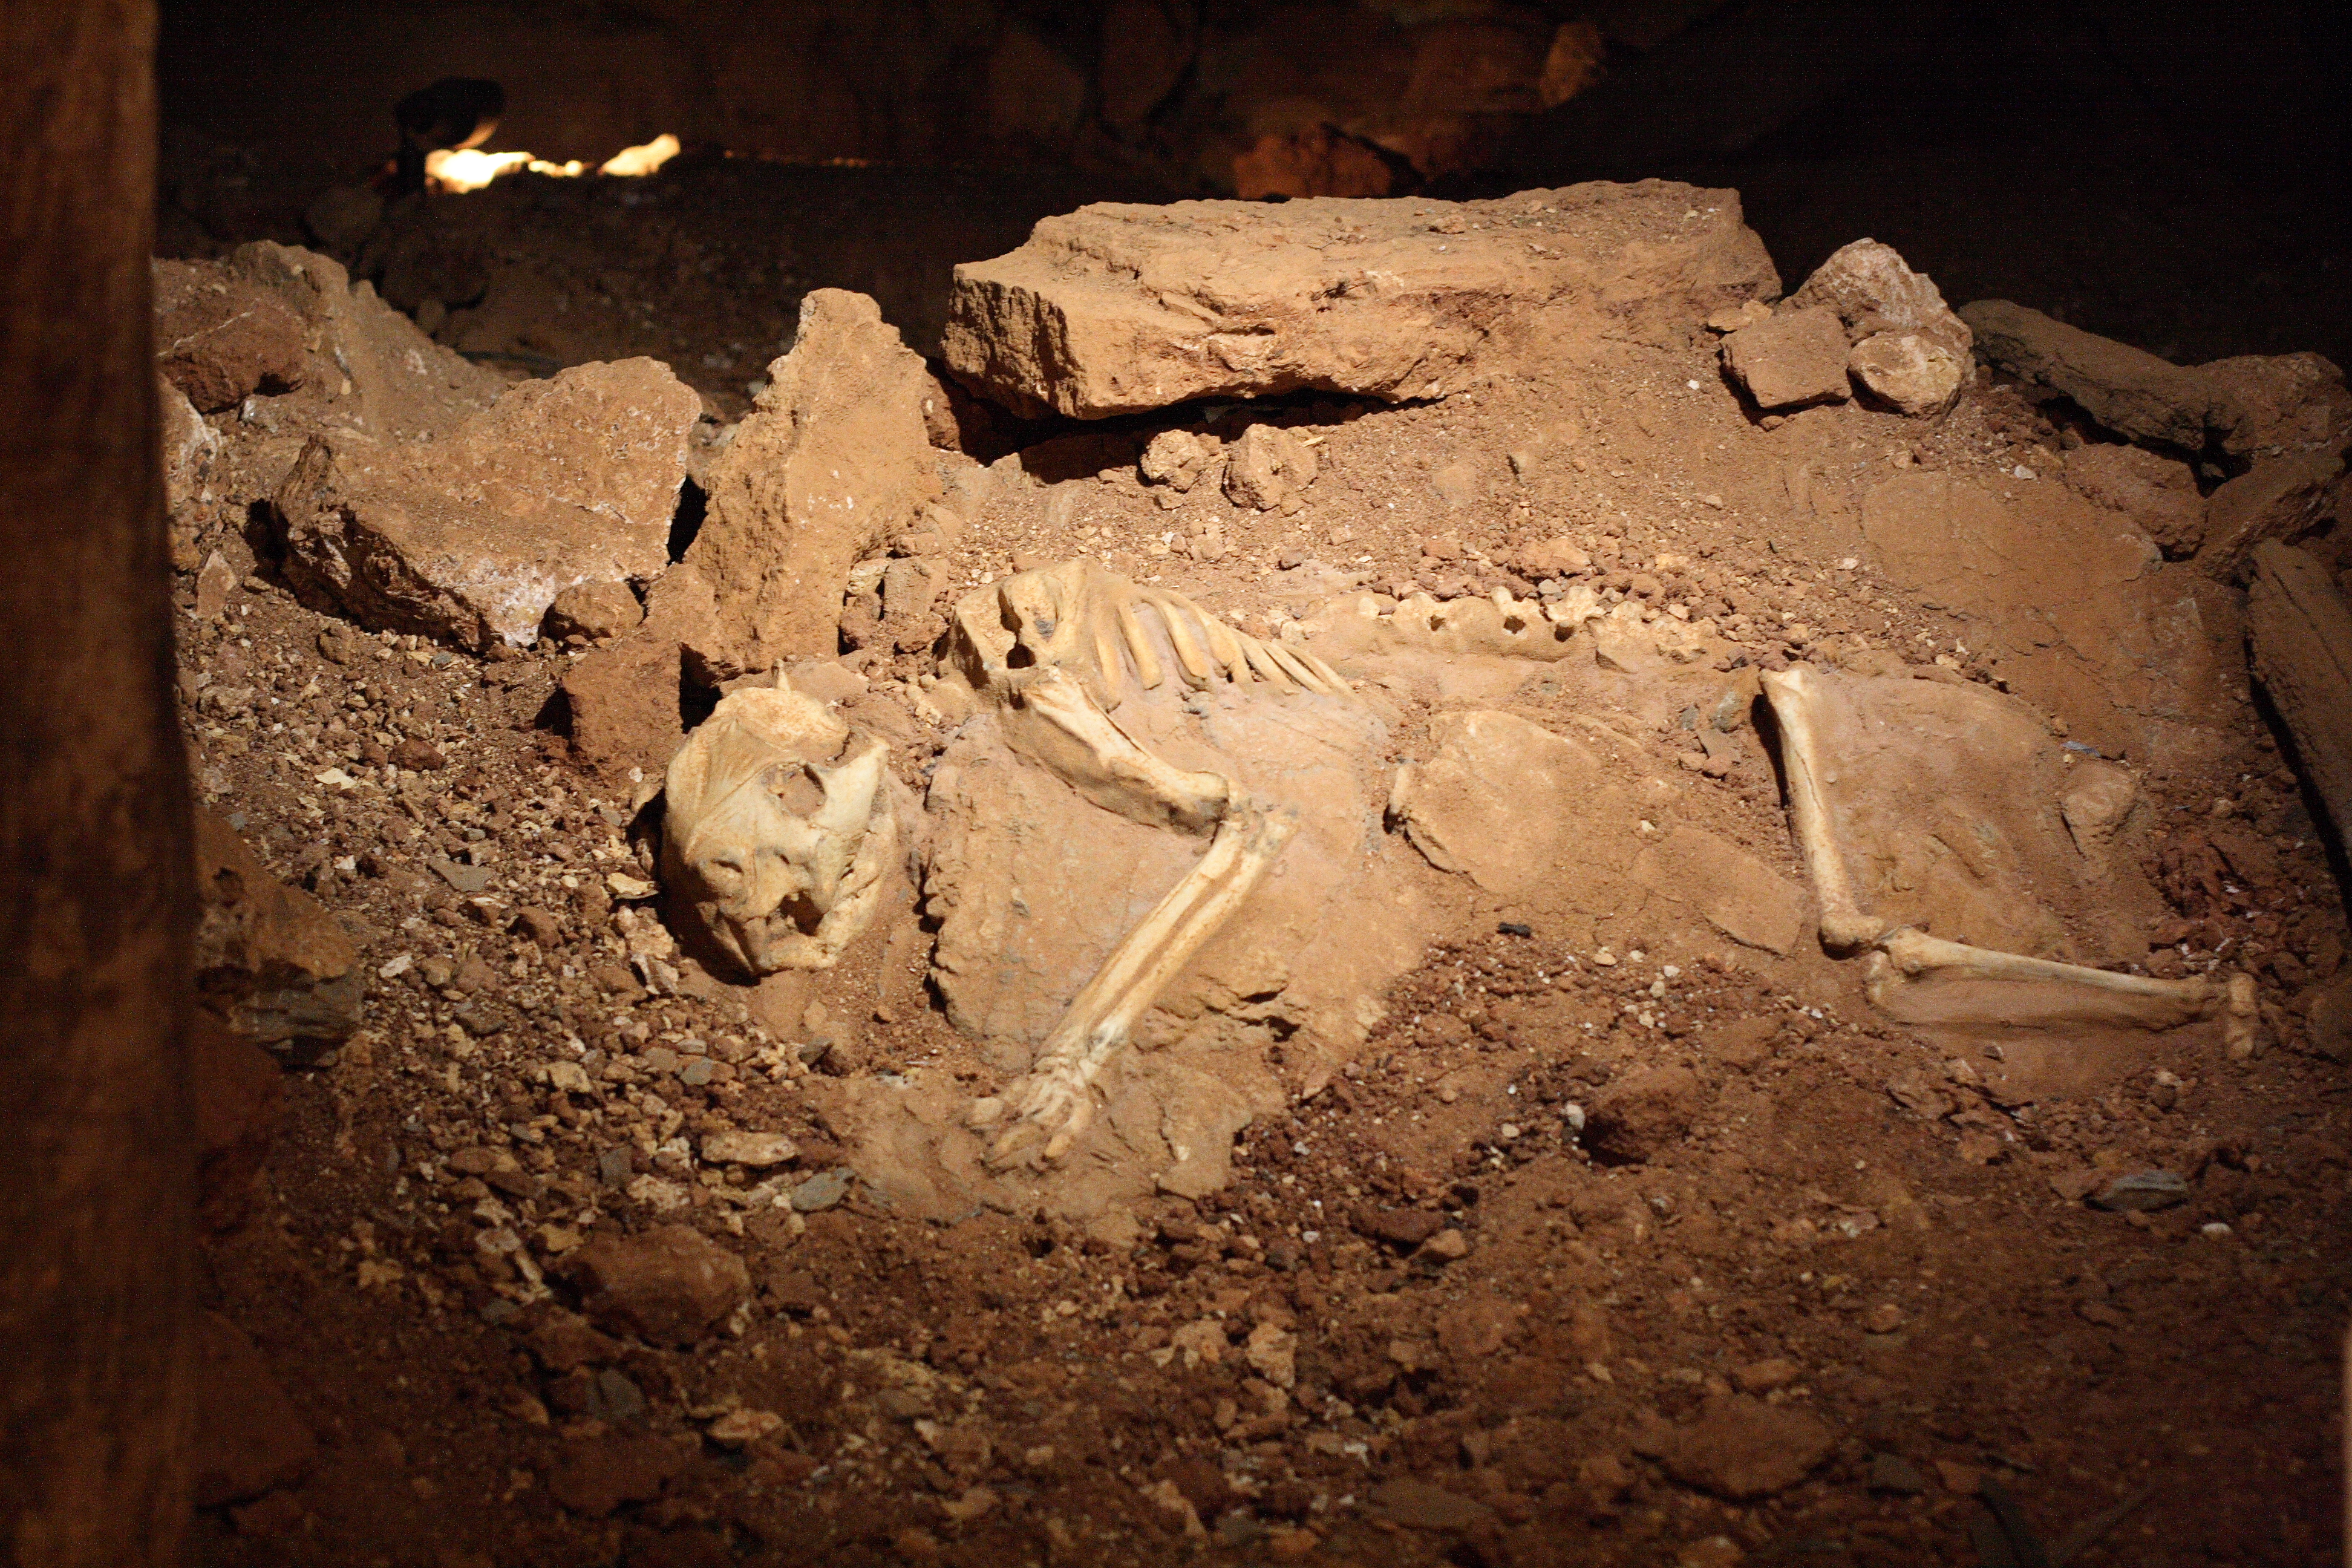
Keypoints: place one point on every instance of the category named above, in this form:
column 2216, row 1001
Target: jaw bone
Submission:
column 1054, row 652
column 777, row 829
column 1925, row 979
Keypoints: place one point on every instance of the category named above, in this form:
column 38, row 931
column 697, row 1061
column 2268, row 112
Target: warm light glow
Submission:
column 630, row 163
column 463, row 169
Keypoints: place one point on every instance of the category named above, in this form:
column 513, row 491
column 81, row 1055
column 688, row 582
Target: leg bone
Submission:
column 1794, row 695
column 1054, row 1104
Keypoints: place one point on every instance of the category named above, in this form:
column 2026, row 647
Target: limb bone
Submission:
column 1054, row 1104
column 1982, row 985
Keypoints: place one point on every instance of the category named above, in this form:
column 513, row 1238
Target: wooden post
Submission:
column 95, row 897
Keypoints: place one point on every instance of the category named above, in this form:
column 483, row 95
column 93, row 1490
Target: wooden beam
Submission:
column 96, row 1171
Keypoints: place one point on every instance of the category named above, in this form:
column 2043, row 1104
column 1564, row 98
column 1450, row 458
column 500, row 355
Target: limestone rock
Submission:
column 1178, row 460
column 1915, row 372
column 368, row 363
column 2128, row 390
column 189, row 447
column 1116, row 309
column 248, row 1437
column 1791, row 360
column 470, row 539
column 220, row 339
column 1874, row 291
column 269, row 959
column 833, row 459
column 1268, row 467
column 2278, row 497
column 669, row 1285
column 2158, row 494
column 758, row 1150
column 2287, row 402
column 1743, row 1448
column 596, row 611
column 623, row 703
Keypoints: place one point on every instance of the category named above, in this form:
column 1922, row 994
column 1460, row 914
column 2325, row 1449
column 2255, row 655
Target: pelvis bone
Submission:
column 1055, row 653
column 1926, row 979
column 778, row 828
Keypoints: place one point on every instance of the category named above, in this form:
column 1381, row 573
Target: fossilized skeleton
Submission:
column 779, row 824
column 778, row 827
column 1055, row 653
column 2008, row 988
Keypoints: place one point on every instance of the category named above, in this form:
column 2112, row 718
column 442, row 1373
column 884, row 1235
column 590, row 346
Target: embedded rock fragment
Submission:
column 1268, row 468
column 2158, row 494
column 1913, row 371
column 2128, row 390
column 269, row 959
column 833, row 459
column 596, row 611
column 1116, row 309
column 1742, row 1449
column 1740, row 895
column 669, row 1285
column 1641, row 1115
column 471, row 539
column 222, row 339
column 1874, row 291
column 1790, row 360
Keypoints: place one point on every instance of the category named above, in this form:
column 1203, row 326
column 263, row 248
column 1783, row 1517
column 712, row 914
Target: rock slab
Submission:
column 2128, row 390
column 1790, row 361
column 469, row 540
column 270, row 959
column 1116, row 307
column 834, row 458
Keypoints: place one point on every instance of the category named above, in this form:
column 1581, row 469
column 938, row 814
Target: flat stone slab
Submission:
column 1116, row 309
column 471, row 538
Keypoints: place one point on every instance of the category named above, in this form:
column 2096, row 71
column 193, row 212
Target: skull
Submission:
column 777, row 829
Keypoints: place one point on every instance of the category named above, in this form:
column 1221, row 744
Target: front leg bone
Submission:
column 1054, row 1104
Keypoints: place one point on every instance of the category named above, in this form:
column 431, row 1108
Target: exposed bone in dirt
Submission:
column 1510, row 1173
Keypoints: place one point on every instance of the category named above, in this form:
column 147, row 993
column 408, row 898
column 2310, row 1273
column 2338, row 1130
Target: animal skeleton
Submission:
column 1903, row 960
column 777, row 829
column 1055, row 653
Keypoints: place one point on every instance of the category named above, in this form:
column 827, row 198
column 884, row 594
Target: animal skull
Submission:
column 777, row 830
